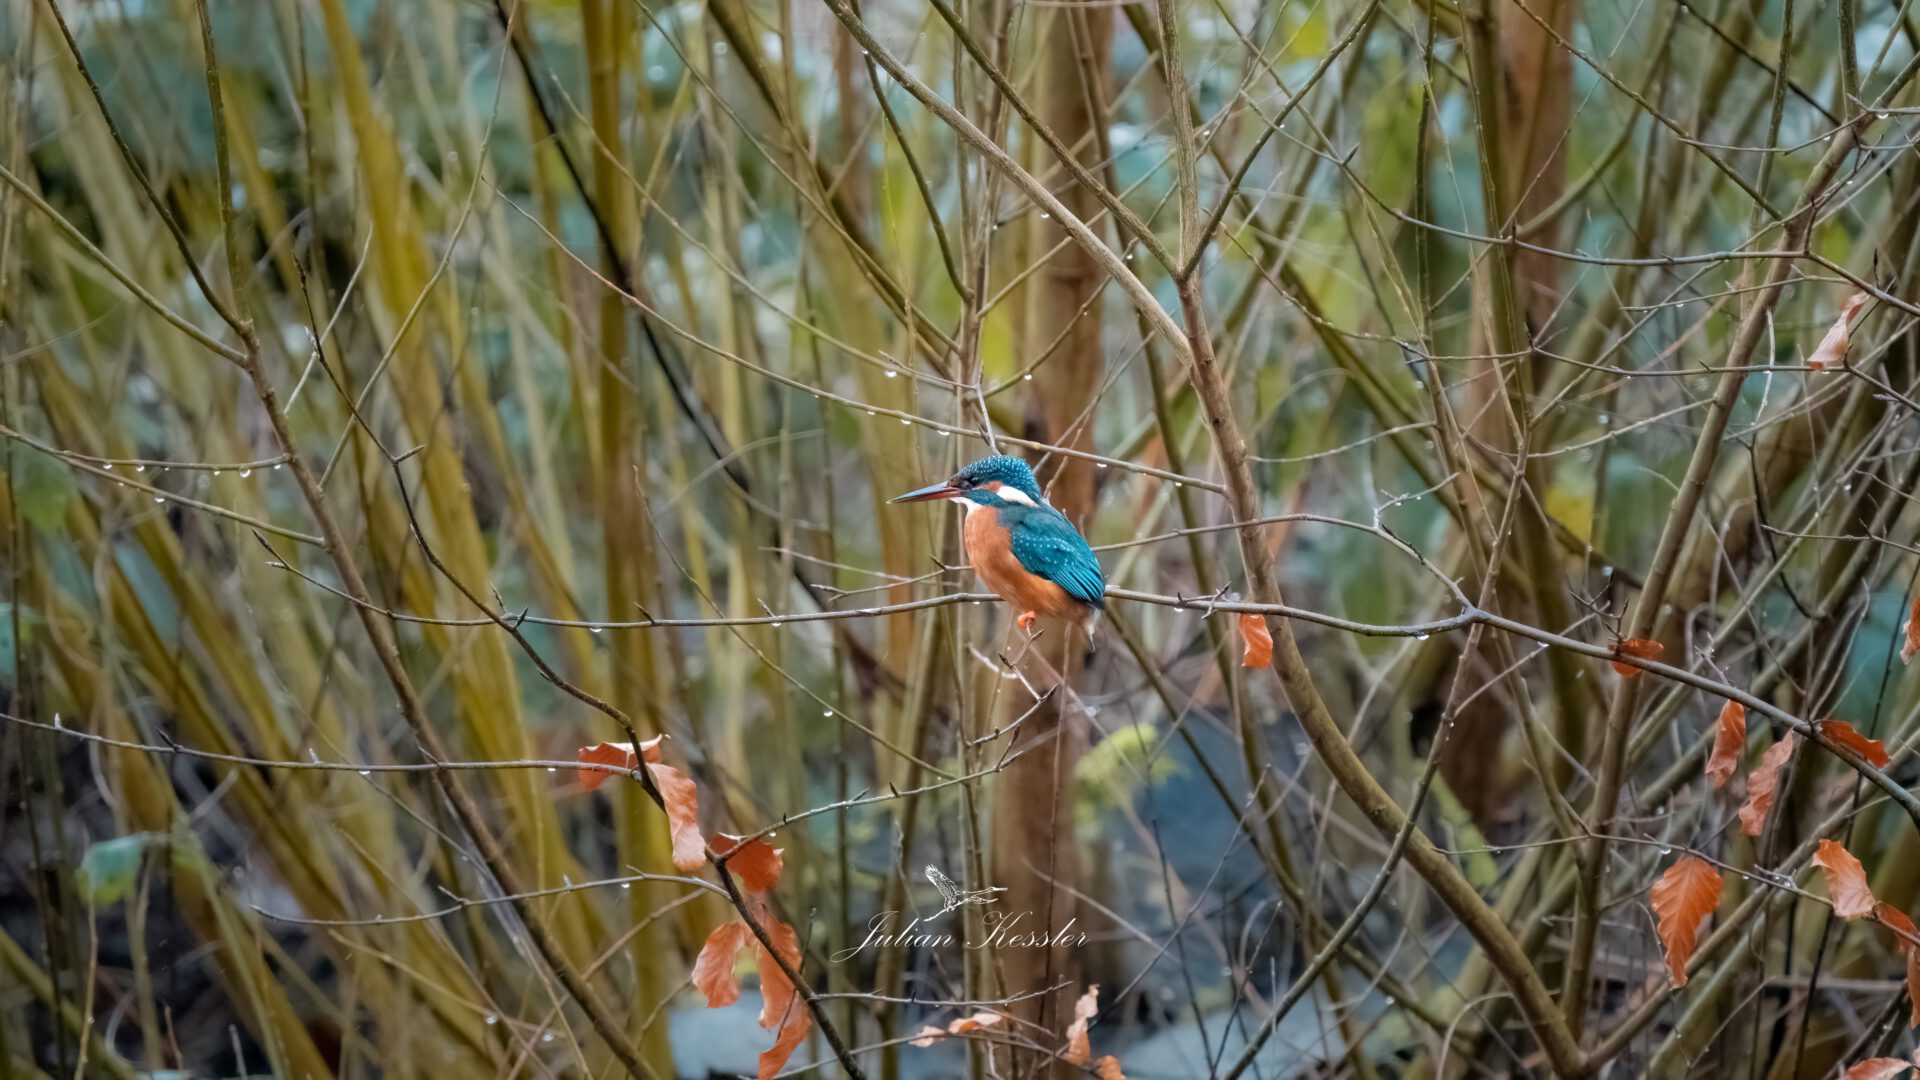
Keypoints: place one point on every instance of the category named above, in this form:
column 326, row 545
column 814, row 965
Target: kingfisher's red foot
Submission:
column 1026, row 620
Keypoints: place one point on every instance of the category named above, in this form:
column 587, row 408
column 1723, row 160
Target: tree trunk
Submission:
column 1033, row 845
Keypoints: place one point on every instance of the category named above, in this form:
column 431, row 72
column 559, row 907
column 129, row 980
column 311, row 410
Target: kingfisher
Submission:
column 1027, row 552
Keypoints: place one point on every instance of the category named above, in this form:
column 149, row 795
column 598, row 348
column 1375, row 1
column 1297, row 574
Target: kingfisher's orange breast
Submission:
column 990, row 550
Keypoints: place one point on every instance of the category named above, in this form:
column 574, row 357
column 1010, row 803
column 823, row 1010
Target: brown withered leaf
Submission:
column 1913, row 986
column 1906, row 938
column 776, row 990
column 614, row 755
column 713, row 968
column 1879, row 1069
column 1079, row 1048
column 1832, row 350
column 1257, row 641
column 1639, row 649
column 1729, row 740
column 974, row 1022
column 780, row 1006
column 791, row 1035
column 1905, row 935
column 1846, row 880
column 1841, row 732
column 1682, row 899
column 650, row 749
column 756, row 866
column 1763, row 786
column 929, row 1034
column 681, row 797
column 617, row 756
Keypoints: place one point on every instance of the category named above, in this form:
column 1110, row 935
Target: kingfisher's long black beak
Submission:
column 945, row 489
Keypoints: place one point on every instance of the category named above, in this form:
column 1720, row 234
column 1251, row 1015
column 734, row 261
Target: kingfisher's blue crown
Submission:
column 1010, row 471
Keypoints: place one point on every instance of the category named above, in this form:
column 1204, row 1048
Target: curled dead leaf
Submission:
column 1906, row 939
column 1879, row 1069
column 1257, row 641
column 1832, row 350
column 681, row 797
column 1846, row 880
column 780, row 1006
column 1079, row 1047
column 791, row 1035
column 1913, row 987
column 1763, row 786
column 1639, row 649
column 974, row 1022
column 755, row 863
column 776, row 990
column 1906, row 936
column 713, row 968
column 977, row 1021
column 617, row 757
column 1842, row 733
column 1682, row 899
column 1729, row 740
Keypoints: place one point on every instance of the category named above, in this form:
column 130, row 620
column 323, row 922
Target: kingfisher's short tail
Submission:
column 1091, row 624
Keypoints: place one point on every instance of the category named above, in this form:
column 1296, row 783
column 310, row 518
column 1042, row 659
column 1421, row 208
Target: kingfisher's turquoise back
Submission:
column 1047, row 544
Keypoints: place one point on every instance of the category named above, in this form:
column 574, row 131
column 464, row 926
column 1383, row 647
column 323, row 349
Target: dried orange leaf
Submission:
column 650, row 749
column 791, row 1035
column 680, row 796
column 1913, row 989
column 1108, row 1068
column 1906, row 938
column 756, row 865
column 1841, row 732
column 780, row 1007
column 1639, row 649
column 713, row 968
column 929, row 1034
column 682, row 801
column 1763, row 786
column 617, row 757
column 1258, row 641
column 776, row 990
column 1832, row 350
column 1079, row 1048
column 1846, row 880
column 974, row 1022
column 1879, row 1069
column 1912, row 631
column 1682, row 899
column 1729, row 739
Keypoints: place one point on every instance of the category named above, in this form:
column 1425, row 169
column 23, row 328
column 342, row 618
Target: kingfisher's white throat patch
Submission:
column 1011, row 494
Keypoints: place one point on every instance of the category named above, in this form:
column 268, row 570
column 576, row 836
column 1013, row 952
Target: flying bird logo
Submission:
column 955, row 896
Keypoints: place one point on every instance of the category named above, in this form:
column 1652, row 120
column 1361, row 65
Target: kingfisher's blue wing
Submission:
column 1047, row 544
